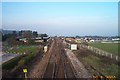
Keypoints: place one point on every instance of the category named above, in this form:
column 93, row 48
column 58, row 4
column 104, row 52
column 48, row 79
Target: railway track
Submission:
column 50, row 69
column 59, row 65
column 97, row 73
column 67, row 67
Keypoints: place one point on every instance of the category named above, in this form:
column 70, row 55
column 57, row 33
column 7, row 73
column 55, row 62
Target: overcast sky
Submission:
column 62, row 18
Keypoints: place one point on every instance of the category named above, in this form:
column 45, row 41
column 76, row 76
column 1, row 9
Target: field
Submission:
column 22, row 49
column 98, row 65
column 109, row 47
column 28, row 52
column 14, row 66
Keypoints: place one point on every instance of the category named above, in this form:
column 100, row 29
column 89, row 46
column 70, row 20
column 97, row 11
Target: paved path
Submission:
column 78, row 66
column 6, row 57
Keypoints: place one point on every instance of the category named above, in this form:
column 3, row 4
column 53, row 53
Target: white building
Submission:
column 73, row 46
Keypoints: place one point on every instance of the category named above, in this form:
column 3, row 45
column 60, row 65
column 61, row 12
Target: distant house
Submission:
column 23, row 39
column 77, row 40
column 45, row 38
column 115, row 39
column 38, row 39
column 92, row 40
column 70, row 39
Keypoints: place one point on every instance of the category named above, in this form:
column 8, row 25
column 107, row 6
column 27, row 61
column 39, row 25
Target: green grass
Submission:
column 22, row 49
column 11, row 63
column 109, row 47
column 18, row 61
column 23, row 59
column 104, row 68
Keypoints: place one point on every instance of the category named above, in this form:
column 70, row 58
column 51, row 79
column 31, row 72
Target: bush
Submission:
column 19, row 61
column 11, row 63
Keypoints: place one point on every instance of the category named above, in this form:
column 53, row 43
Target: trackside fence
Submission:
column 99, row 52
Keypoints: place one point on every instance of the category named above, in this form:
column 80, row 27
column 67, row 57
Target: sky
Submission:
column 62, row 18
column 60, row 0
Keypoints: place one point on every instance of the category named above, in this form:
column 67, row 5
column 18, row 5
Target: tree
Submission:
column 6, row 36
column 20, row 33
column 31, row 41
column 12, row 41
column 35, row 34
column 44, row 35
column 14, row 33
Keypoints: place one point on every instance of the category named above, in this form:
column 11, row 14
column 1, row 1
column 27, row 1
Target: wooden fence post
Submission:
column 111, row 56
column 117, row 58
column 106, row 53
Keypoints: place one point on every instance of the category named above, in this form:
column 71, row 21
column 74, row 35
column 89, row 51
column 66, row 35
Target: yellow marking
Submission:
column 24, row 70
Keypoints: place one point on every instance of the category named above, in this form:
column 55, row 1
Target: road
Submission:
column 7, row 57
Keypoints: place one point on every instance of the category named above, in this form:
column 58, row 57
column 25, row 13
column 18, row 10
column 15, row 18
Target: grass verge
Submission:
column 100, row 64
column 113, row 48
column 20, row 60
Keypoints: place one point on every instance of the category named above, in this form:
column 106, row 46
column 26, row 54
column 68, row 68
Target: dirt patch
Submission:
column 81, row 53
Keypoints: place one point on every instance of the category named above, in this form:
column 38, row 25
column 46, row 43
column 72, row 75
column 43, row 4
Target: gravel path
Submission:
column 78, row 66
column 39, row 68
